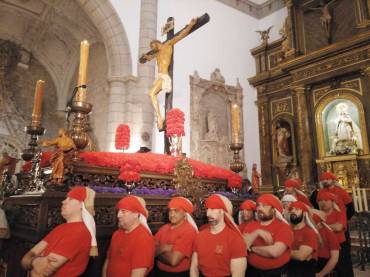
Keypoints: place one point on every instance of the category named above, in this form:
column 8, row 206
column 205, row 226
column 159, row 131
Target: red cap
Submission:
column 327, row 176
column 78, row 193
column 270, row 200
column 215, row 202
column 299, row 205
column 133, row 204
column 248, row 205
column 292, row 183
column 181, row 203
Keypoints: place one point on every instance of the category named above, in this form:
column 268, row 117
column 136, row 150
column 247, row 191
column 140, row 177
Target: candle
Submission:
column 235, row 123
column 366, row 208
column 359, row 200
column 82, row 71
column 36, row 113
column 354, row 199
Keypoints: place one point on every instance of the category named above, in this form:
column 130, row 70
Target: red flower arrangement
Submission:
column 175, row 119
column 129, row 172
column 122, row 137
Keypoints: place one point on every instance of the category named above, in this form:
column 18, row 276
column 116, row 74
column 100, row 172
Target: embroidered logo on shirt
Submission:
column 219, row 249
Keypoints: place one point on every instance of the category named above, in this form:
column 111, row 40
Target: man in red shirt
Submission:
column 65, row 250
column 293, row 187
column 336, row 219
column 305, row 244
column 174, row 241
column 131, row 251
column 219, row 249
column 246, row 214
column 329, row 247
column 269, row 239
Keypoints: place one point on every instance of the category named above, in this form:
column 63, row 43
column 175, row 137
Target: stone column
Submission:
column 148, row 31
column 265, row 140
column 304, row 142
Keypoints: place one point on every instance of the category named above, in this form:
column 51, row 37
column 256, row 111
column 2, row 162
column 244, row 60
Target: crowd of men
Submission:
column 289, row 237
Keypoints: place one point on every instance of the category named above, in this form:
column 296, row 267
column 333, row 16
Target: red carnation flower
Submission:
column 122, row 137
column 175, row 119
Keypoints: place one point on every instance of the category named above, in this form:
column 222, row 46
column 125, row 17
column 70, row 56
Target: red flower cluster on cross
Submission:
column 175, row 119
column 122, row 137
column 129, row 172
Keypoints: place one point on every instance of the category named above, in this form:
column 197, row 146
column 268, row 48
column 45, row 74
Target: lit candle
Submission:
column 37, row 103
column 235, row 123
column 82, row 71
column 366, row 208
column 354, row 199
column 359, row 200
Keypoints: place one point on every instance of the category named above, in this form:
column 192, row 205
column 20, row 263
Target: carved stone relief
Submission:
column 210, row 118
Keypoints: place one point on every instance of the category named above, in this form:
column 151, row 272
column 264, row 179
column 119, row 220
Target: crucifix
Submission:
column 163, row 53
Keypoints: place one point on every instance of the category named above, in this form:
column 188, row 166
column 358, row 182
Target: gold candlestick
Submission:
column 235, row 124
column 82, row 72
column 236, row 164
column 37, row 104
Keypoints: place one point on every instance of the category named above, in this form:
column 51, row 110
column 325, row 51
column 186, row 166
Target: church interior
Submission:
column 158, row 98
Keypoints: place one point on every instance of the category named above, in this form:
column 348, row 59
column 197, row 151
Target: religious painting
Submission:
column 342, row 134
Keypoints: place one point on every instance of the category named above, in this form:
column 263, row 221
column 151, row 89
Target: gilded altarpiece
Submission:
column 210, row 118
column 313, row 94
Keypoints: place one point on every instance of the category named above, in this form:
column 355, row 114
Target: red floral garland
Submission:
column 175, row 119
column 150, row 162
column 129, row 172
column 122, row 137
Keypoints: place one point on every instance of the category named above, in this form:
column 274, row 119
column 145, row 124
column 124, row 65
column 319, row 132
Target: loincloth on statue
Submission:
column 166, row 82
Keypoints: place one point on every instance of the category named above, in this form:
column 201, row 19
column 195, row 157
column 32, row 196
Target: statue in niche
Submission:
column 282, row 139
column 326, row 17
column 211, row 127
column 347, row 137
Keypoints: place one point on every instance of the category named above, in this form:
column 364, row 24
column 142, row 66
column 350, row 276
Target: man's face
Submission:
column 326, row 183
column 176, row 216
column 326, row 205
column 264, row 212
column 286, row 205
column 296, row 216
column 126, row 219
column 247, row 215
column 215, row 216
column 290, row 190
column 71, row 207
column 155, row 45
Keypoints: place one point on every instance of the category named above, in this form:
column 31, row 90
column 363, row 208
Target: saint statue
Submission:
column 282, row 136
column 63, row 145
column 256, row 179
column 347, row 132
column 212, row 127
column 163, row 55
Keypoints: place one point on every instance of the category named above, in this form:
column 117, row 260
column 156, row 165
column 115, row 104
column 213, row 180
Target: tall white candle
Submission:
column 355, row 199
column 360, row 209
column 366, row 208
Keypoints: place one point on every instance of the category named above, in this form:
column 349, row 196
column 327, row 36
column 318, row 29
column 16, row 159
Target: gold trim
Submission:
column 333, row 95
column 278, row 101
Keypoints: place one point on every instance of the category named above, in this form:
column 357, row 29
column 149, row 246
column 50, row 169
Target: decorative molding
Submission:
column 281, row 106
column 253, row 9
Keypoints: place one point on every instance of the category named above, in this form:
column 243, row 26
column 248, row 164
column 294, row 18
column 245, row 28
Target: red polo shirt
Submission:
column 337, row 217
column 329, row 243
column 181, row 238
column 306, row 236
column 215, row 251
column 128, row 251
column 72, row 241
column 279, row 231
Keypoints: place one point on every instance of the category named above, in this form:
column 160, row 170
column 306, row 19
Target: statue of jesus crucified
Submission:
column 162, row 52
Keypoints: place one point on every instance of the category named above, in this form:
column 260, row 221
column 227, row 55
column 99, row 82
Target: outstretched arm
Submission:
column 183, row 33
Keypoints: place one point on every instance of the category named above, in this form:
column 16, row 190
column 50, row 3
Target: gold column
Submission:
column 304, row 137
column 265, row 140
